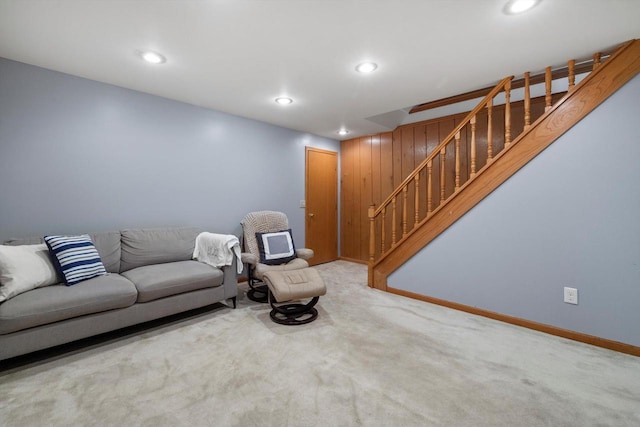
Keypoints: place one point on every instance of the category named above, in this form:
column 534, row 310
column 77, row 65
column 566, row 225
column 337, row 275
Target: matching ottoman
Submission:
column 294, row 285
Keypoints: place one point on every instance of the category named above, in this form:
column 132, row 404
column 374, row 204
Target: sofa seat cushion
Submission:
column 162, row 280
column 59, row 302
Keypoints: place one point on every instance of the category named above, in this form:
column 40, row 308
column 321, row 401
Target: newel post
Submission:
column 372, row 242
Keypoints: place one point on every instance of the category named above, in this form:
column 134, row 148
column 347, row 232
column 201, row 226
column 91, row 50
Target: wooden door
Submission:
column 321, row 224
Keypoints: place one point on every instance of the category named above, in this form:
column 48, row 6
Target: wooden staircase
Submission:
column 392, row 243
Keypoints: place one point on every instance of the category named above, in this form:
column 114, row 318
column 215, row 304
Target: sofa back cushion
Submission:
column 107, row 244
column 156, row 246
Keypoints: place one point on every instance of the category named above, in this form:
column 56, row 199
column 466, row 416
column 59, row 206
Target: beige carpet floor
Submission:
column 371, row 359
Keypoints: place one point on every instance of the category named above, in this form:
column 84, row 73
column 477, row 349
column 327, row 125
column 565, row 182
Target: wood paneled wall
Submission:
column 373, row 166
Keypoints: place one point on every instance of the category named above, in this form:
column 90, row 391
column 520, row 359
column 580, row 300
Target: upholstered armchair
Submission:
column 256, row 255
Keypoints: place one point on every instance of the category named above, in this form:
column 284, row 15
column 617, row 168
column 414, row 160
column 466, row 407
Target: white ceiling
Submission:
column 236, row 56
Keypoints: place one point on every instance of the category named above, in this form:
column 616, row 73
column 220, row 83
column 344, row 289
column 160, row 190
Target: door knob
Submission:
column 311, row 214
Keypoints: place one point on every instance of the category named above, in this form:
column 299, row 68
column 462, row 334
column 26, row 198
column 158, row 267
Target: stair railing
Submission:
column 394, row 215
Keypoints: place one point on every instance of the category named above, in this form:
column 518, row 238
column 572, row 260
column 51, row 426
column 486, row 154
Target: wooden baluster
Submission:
column 372, row 233
column 417, row 200
column 596, row 60
column 547, row 85
column 489, row 130
column 443, row 152
column 507, row 114
column 429, row 186
column 393, row 221
column 473, row 146
column 382, row 235
column 572, row 73
column 457, row 161
column 404, row 210
column 527, row 101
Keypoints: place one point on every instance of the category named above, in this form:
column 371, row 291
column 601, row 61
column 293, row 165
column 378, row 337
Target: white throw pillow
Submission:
column 23, row 268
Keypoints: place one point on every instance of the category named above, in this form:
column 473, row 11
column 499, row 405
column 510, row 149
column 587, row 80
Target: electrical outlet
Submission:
column 570, row 295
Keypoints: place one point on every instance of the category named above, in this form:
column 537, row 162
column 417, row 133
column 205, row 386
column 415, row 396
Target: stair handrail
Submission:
column 481, row 105
column 470, row 119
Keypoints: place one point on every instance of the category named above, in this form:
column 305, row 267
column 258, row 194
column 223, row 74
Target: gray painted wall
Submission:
column 79, row 156
column 568, row 218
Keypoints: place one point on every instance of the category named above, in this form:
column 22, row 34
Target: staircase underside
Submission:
column 592, row 91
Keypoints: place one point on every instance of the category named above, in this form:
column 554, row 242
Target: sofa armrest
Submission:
column 304, row 253
column 230, row 280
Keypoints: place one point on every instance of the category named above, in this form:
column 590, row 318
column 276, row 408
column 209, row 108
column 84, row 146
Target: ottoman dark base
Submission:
column 293, row 314
column 259, row 291
column 258, row 294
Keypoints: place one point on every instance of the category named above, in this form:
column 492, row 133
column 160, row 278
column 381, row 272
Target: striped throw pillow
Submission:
column 77, row 257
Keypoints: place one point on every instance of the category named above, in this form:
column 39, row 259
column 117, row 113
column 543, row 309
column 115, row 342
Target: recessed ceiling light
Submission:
column 514, row 7
column 152, row 57
column 343, row 132
column 366, row 67
column 283, row 100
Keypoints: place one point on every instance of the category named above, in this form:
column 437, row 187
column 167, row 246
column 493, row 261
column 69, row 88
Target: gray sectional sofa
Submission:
column 151, row 274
